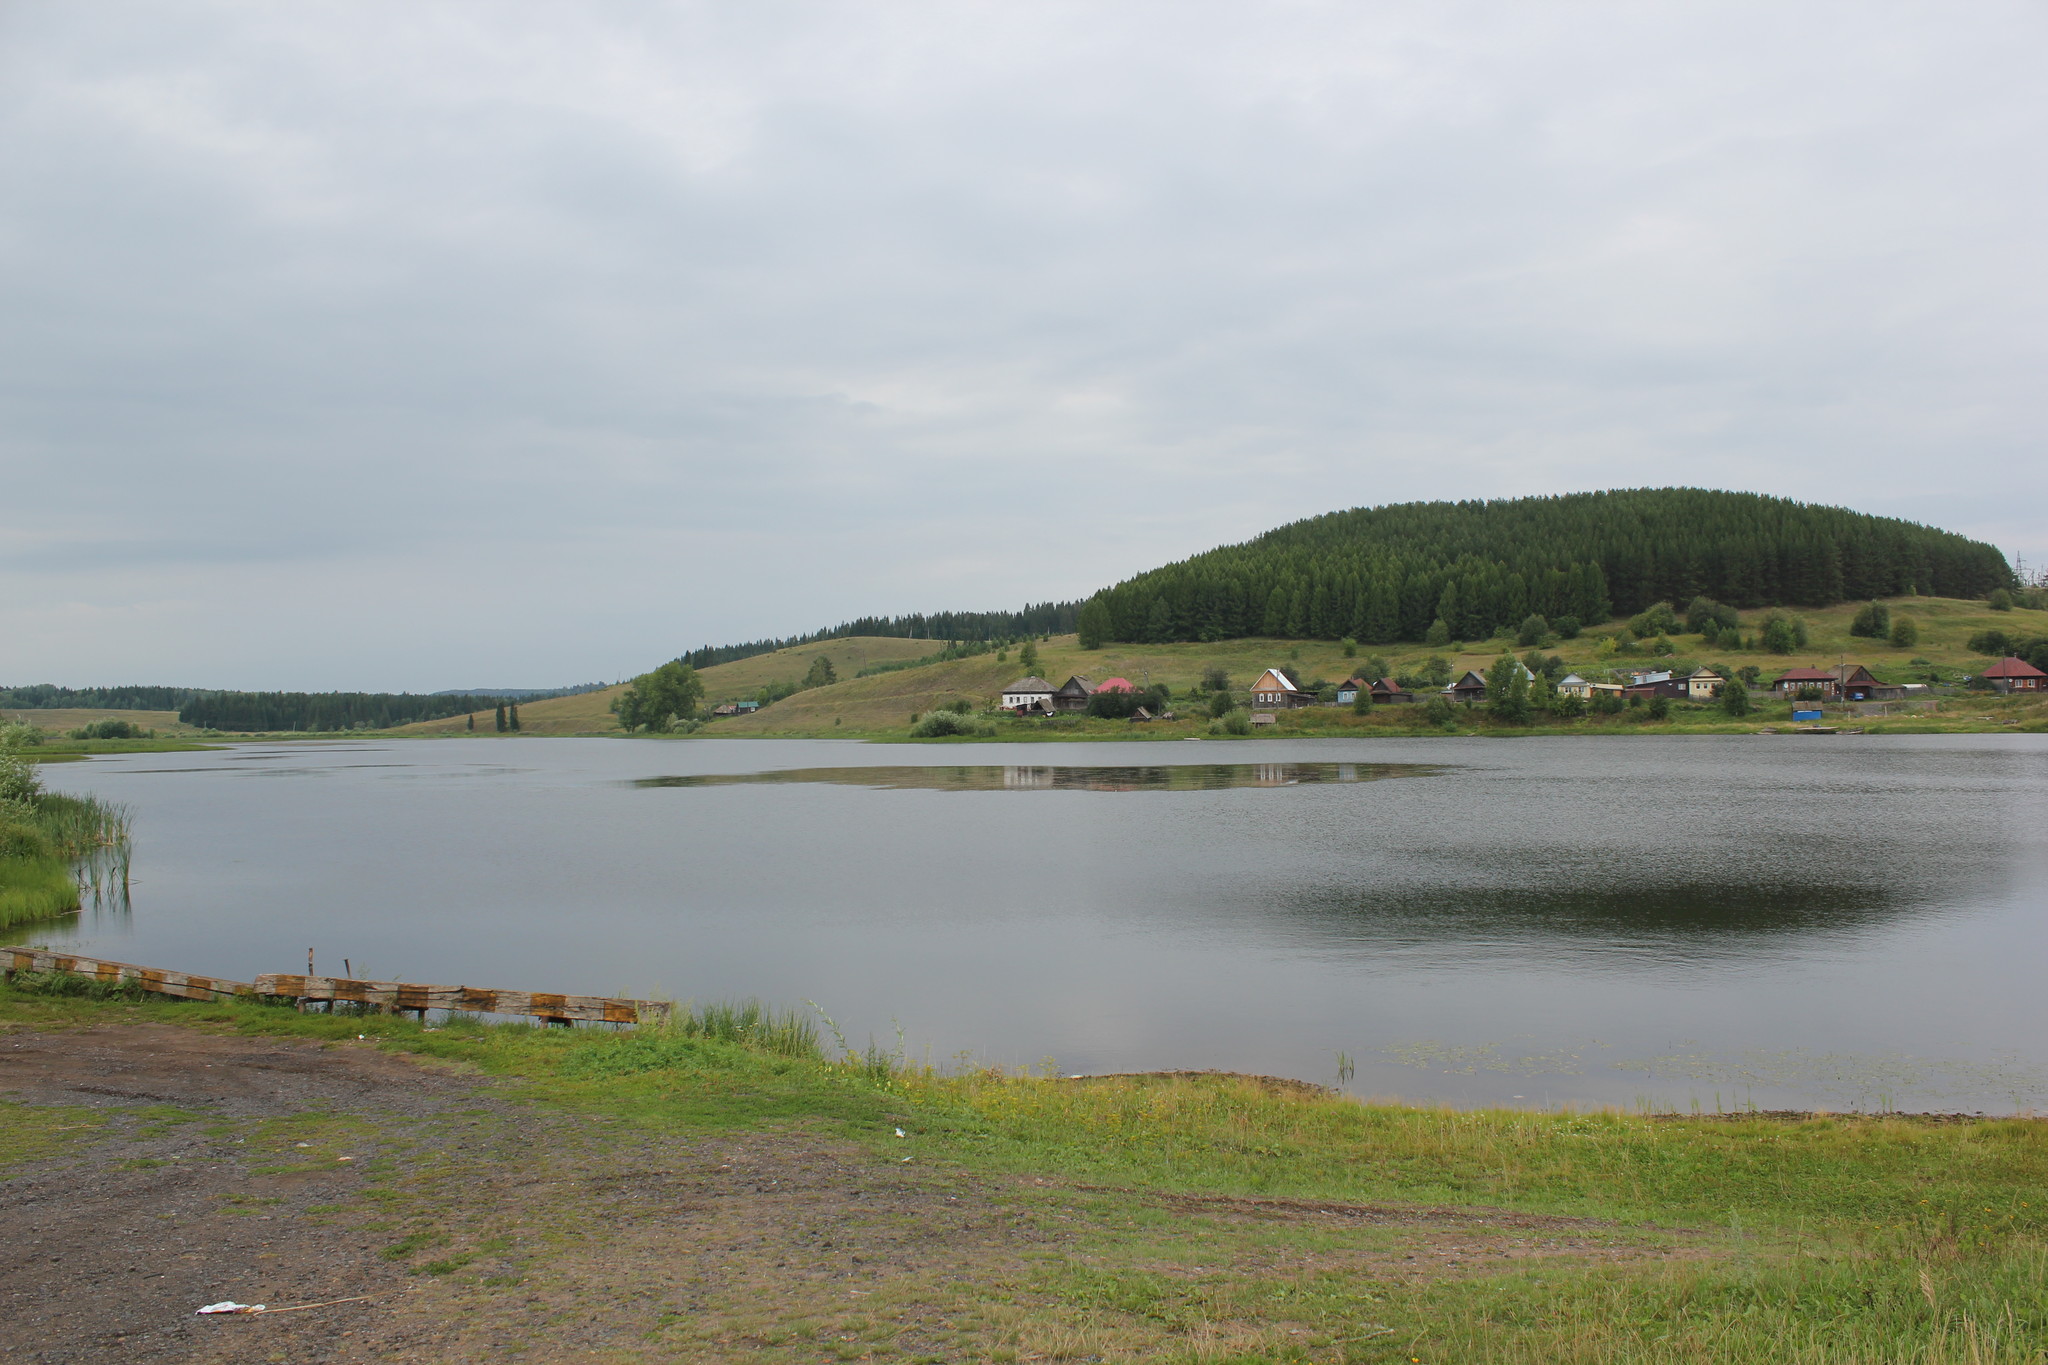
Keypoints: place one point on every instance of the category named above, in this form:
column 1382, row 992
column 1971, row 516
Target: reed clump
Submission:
column 746, row 1024
column 54, row 847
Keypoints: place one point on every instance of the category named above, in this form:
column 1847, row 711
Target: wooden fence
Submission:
column 381, row 995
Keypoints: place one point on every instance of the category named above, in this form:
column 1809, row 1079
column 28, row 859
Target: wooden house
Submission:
column 1026, row 693
column 1572, row 685
column 1856, row 684
column 1657, row 685
column 1387, row 692
column 1468, row 689
column 2012, row 674
column 1788, row 683
column 1378, row 693
column 1073, row 694
column 1276, row 689
column 1702, row 683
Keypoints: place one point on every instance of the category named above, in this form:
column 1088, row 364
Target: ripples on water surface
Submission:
column 1720, row 920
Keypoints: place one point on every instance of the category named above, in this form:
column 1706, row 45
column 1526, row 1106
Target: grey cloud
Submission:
column 730, row 320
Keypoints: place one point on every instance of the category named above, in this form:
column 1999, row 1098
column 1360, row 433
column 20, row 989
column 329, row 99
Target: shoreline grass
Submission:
column 1196, row 1203
column 55, row 850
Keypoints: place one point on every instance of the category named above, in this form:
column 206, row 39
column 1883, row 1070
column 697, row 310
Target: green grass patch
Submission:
column 34, row 889
column 32, row 1133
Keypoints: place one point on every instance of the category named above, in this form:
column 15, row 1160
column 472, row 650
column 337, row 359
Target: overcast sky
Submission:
column 417, row 345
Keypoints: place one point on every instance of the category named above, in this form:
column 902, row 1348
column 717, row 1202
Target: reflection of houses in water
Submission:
column 1274, row 775
column 1017, row 777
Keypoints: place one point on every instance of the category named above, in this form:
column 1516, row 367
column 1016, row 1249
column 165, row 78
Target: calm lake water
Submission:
column 1780, row 921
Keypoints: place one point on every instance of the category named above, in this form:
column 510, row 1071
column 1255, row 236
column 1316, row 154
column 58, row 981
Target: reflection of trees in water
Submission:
column 1058, row 777
column 1709, row 917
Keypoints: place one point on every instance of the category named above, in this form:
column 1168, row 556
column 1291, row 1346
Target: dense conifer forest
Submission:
column 1386, row 574
column 48, row 696
column 276, row 711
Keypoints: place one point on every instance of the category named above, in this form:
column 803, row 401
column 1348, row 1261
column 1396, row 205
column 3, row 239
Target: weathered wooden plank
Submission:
column 405, row 995
column 113, row 973
column 410, row 995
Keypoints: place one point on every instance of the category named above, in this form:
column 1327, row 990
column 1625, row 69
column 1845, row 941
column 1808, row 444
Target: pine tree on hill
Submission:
column 1384, row 574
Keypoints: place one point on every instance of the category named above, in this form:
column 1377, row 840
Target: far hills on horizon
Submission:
column 1379, row 575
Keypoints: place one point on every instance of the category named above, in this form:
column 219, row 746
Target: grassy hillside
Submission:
column 590, row 712
column 885, row 703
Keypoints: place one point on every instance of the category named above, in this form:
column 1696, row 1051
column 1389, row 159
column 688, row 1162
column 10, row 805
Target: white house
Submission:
column 1027, row 692
column 1572, row 685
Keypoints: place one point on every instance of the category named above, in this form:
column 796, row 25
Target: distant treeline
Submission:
column 1388, row 574
column 1044, row 618
column 49, row 697
column 323, row 710
column 522, row 693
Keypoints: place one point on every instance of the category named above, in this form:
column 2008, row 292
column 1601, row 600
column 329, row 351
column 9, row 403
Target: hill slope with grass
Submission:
column 885, row 703
column 589, row 713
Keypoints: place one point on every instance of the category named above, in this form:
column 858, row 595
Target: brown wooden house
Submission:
column 1788, row 683
column 1387, row 692
column 1468, row 689
column 1073, row 694
column 1276, row 689
column 1858, row 685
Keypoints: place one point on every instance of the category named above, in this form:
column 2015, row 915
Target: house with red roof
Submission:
column 2012, row 674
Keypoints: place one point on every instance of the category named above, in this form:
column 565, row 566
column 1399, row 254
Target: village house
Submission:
column 1702, row 683
column 1467, row 689
column 1858, row 685
column 2012, row 674
column 1788, row 683
column 1275, row 688
column 1026, row 693
column 1572, row 685
column 1388, row 692
column 1073, row 694
column 1648, row 685
column 1383, row 692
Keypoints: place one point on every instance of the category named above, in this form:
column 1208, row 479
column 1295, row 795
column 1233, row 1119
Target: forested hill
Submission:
column 1383, row 574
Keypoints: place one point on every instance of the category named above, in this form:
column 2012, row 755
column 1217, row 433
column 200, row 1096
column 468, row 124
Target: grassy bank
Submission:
column 50, row 847
column 48, row 842
column 1228, row 1219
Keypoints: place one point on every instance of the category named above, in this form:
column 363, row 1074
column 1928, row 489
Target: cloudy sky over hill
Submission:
column 414, row 344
